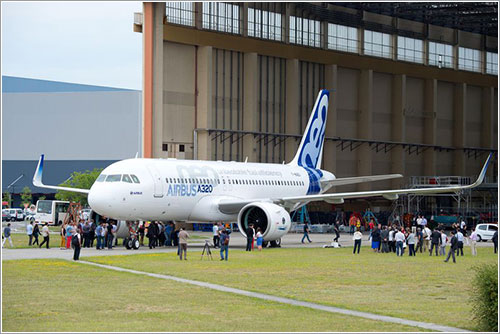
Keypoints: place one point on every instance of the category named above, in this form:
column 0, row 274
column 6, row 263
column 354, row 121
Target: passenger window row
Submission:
column 118, row 177
column 236, row 181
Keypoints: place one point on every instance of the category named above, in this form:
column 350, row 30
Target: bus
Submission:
column 51, row 212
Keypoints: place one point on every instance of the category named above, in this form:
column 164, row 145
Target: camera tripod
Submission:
column 206, row 250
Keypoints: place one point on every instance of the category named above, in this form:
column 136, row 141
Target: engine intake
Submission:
column 273, row 220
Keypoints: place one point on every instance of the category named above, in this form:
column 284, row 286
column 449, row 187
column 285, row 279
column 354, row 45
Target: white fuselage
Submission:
column 171, row 189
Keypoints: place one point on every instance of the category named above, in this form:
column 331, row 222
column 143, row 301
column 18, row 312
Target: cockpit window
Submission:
column 126, row 178
column 114, row 178
column 101, row 178
column 135, row 179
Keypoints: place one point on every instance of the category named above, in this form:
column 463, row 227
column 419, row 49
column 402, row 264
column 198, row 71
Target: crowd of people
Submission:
column 419, row 239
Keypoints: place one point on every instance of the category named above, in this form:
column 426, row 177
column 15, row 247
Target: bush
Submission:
column 485, row 298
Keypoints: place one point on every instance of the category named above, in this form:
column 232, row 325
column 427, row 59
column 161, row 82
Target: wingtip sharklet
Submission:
column 482, row 175
column 37, row 177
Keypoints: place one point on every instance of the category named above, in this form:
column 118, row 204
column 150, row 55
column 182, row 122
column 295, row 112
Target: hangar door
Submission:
column 157, row 184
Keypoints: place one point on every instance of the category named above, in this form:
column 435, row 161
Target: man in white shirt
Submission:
column 473, row 240
column 460, row 245
column 427, row 237
column 29, row 232
column 419, row 221
column 45, row 235
column 215, row 230
column 400, row 239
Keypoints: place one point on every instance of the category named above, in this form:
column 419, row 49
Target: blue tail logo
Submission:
column 311, row 146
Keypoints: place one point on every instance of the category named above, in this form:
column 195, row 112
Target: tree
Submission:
column 80, row 180
column 6, row 197
column 26, row 196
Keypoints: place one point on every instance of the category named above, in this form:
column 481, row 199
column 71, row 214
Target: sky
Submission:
column 80, row 42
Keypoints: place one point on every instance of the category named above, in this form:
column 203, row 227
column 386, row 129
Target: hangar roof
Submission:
column 25, row 85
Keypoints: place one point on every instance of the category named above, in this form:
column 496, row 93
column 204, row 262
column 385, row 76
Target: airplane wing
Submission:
column 37, row 180
column 232, row 206
column 359, row 179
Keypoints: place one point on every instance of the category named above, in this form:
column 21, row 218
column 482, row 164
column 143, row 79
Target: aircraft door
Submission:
column 157, row 184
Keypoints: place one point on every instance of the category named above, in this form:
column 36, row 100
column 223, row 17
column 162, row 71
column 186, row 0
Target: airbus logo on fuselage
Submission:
column 189, row 190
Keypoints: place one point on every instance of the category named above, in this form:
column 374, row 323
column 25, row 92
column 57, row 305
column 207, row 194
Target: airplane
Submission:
column 261, row 194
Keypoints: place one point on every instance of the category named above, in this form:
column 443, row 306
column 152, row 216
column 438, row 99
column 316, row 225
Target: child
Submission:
column 260, row 239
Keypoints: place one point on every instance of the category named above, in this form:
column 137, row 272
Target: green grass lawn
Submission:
column 57, row 295
column 20, row 240
column 421, row 288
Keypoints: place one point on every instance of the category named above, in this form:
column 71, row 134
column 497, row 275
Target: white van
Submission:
column 485, row 231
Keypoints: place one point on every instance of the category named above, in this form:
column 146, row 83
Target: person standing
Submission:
column 141, row 233
column 376, row 238
column 411, row 242
column 473, row 240
column 151, row 235
column 85, row 235
column 444, row 240
column 260, row 239
column 100, row 238
column 183, row 236
column 371, row 225
column 29, row 232
column 384, row 236
column 460, row 243
column 435, row 241
column 69, row 235
column 224, row 244
column 93, row 235
column 357, row 241
column 495, row 241
column 45, row 235
column 109, row 234
column 352, row 224
column 76, row 243
column 420, row 239
column 36, row 233
column 337, row 232
column 6, row 236
column 453, row 247
column 392, row 243
column 215, row 234
column 249, row 233
column 62, row 234
column 427, row 237
column 306, row 233
column 168, row 234
column 400, row 239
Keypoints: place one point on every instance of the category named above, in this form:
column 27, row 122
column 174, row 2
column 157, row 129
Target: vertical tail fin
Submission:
column 310, row 150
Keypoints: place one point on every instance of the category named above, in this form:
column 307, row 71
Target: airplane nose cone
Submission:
column 97, row 201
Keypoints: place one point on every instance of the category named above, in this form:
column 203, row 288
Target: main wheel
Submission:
column 127, row 243
column 479, row 239
column 276, row 243
column 264, row 244
column 136, row 244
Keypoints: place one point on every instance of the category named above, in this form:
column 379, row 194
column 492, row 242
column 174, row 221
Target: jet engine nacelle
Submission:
column 273, row 220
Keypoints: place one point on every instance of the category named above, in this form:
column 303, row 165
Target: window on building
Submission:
column 469, row 59
column 492, row 63
column 221, row 16
column 342, row 38
column 165, row 147
column 180, row 13
column 264, row 24
column 440, row 55
column 410, row 49
column 181, row 148
column 304, row 31
column 377, row 44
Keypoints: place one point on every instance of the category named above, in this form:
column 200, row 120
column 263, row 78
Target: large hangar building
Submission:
column 414, row 85
column 78, row 127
